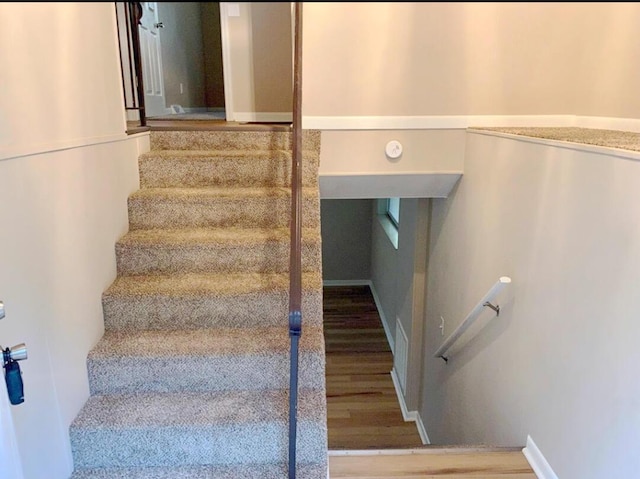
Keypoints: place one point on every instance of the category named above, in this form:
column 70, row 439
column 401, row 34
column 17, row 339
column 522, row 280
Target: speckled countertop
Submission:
column 624, row 140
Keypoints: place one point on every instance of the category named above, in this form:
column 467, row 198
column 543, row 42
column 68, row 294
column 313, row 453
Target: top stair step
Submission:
column 232, row 140
column 200, row 168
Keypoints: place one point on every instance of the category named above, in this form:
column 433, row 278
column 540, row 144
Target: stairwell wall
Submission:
column 66, row 169
column 559, row 362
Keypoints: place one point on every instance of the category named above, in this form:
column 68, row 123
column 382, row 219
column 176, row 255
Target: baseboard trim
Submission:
column 406, row 414
column 422, row 430
column 455, row 122
column 435, row 122
column 537, row 461
column 383, row 318
column 262, row 117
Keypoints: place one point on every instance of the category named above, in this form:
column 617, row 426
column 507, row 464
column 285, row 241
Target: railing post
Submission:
column 295, row 266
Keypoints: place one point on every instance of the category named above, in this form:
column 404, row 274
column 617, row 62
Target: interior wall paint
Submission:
column 212, row 50
column 611, row 57
column 63, row 213
column 363, row 152
column 558, row 364
column 354, row 164
column 260, row 57
column 61, row 74
column 466, row 58
column 384, row 271
column 411, row 270
column 181, row 43
column 398, row 276
column 346, row 239
column 62, row 210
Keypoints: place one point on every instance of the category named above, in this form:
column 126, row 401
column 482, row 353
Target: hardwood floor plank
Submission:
column 498, row 465
column 362, row 404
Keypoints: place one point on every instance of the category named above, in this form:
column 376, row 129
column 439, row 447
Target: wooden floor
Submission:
column 432, row 463
column 203, row 125
column 362, row 405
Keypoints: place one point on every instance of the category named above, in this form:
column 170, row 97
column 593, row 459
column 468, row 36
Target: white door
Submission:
column 154, row 101
column 9, row 458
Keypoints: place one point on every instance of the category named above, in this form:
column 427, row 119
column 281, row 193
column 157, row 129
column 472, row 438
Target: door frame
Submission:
column 227, row 9
column 9, row 454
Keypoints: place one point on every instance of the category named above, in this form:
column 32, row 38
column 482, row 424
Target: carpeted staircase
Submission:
column 191, row 377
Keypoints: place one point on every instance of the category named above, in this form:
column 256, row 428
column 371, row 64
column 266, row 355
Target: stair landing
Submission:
column 431, row 462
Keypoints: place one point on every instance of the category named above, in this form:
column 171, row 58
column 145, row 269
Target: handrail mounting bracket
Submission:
column 495, row 308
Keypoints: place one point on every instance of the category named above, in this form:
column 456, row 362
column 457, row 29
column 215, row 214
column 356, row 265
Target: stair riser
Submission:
column 270, row 257
column 203, row 374
column 232, row 172
column 242, row 311
column 273, row 212
column 231, row 140
column 239, row 443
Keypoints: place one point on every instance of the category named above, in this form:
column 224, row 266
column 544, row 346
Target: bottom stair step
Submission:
column 188, row 429
column 249, row 471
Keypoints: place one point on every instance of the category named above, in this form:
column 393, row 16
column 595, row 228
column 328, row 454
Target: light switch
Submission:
column 233, row 9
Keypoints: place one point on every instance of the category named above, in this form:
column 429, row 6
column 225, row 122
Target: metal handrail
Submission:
column 295, row 265
column 472, row 316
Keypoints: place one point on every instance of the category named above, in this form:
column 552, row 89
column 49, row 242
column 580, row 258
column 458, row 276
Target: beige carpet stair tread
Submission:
column 173, row 429
column 231, row 140
column 213, row 236
column 195, row 169
column 248, row 471
column 208, row 284
column 203, row 342
column 176, row 409
column 215, row 155
column 200, row 194
column 203, row 360
column 214, row 250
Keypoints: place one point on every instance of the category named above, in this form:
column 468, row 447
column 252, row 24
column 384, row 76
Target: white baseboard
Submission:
column 383, row 318
column 537, row 461
column 439, row 122
column 455, row 122
column 262, row 117
column 406, row 414
column 422, row 430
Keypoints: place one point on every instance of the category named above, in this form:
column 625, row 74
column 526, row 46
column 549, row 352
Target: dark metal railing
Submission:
column 128, row 15
column 295, row 265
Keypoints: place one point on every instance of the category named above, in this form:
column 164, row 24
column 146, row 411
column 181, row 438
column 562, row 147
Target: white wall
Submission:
column 463, row 58
column 60, row 76
column 560, row 362
column 62, row 214
column 66, row 169
column 259, row 61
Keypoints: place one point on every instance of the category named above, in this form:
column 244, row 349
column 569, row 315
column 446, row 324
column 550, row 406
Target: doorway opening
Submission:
column 171, row 59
